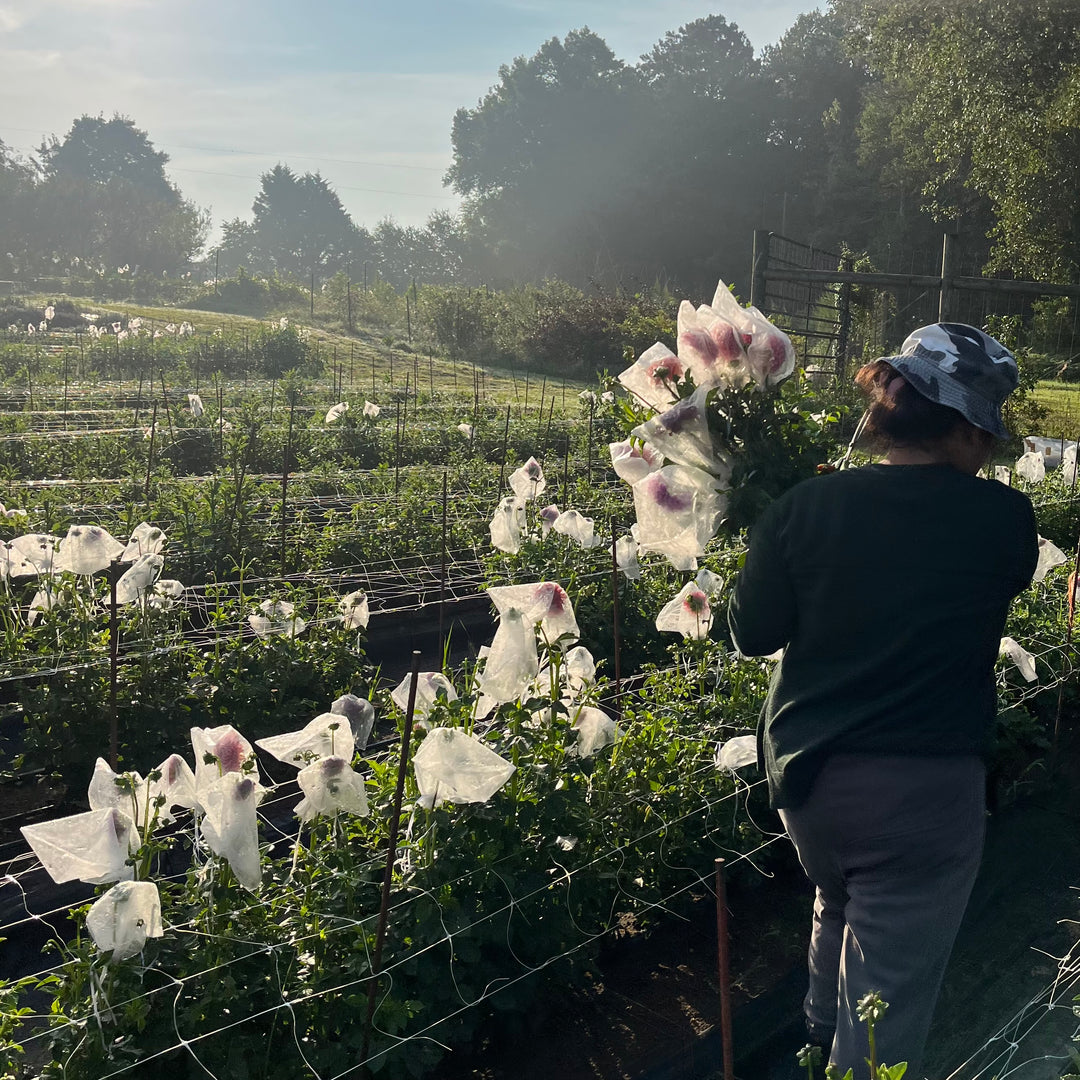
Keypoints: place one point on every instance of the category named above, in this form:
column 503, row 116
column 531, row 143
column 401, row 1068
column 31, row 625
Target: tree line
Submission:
column 874, row 124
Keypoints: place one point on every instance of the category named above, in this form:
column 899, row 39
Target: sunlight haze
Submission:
column 365, row 93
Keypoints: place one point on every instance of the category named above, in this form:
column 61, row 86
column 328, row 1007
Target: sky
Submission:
column 363, row 91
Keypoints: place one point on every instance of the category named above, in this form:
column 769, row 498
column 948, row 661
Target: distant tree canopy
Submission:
column 103, row 197
column 299, row 227
column 874, row 123
column 976, row 104
column 580, row 166
column 17, row 241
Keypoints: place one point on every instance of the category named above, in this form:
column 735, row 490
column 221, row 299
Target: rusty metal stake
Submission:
column 391, row 850
column 724, row 961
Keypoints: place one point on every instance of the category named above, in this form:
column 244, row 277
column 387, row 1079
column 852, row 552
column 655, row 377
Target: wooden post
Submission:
column 946, row 302
column 844, row 329
column 759, row 267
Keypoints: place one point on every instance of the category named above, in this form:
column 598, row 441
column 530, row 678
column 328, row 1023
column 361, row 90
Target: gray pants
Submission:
column 893, row 845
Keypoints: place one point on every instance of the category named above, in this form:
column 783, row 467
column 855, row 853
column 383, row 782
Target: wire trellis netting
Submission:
column 876, row 306
column 289, row 510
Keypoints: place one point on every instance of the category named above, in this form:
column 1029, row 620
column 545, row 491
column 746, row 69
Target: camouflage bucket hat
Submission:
column 961, row 367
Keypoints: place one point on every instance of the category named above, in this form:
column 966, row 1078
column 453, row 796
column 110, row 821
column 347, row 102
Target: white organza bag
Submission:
column 451, row 766
column 123, row 919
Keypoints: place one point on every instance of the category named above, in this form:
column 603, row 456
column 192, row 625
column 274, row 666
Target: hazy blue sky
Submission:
column 362, row 90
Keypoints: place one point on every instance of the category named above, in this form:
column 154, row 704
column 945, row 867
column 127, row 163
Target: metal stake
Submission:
column 724, row 961
column 442, row 569
column 150, row 460
column 391, row 850
column 285, row 484
column 506, row 441
column 114, row 660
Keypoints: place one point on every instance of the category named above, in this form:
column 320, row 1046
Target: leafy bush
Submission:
column 247, row 295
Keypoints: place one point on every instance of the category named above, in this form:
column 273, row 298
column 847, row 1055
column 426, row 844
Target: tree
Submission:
column 709, row 59
column 709, row 166
column 535, row 113
column 976, row 105
column 237, row 248
column 829, row 198
column 18, row 179
column 548, row 159
column 300, row 225
column 102, row 151
column 106, row 199
column 579, row 166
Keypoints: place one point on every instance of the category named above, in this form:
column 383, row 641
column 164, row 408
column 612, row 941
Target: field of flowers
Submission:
column 294, row 863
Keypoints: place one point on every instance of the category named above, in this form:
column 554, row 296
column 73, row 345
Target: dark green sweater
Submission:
column 888, row 587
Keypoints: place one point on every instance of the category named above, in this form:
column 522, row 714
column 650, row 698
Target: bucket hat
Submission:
column 961, row 367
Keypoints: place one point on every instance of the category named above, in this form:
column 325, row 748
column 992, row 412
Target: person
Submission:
column 887, row 587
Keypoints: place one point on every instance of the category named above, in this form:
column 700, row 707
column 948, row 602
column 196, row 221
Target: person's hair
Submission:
column 898, row 415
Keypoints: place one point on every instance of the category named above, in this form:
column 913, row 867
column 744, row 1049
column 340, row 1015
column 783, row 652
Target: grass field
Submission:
column 365, row 352
column 1062, row 400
